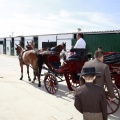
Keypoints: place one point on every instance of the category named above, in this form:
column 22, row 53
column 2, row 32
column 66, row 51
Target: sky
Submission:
column 37, row 17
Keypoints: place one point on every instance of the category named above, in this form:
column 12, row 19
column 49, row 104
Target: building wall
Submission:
column 1, row 45
column 1, row 49
column 58, row 38
column 4, row 46
column 8, row 46
column 45, row 38
column 109, row 42
column 67, row 38
column 16, row 41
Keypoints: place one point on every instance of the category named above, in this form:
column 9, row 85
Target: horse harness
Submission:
column 20, row 56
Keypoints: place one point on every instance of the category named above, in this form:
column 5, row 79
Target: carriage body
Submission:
column 115, row 73
column 69, row 69
column 113, row 60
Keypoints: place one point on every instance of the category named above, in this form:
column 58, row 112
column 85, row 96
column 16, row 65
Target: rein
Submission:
column 20, row 55
column 58, row 48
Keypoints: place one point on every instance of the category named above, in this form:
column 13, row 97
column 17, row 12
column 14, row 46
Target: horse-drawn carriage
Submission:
column 67, row 71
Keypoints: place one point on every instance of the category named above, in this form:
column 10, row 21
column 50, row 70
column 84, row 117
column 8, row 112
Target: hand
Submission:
column 74, row 93
column 112, row 99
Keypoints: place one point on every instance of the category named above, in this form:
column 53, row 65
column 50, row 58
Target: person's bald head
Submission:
column 79, row 35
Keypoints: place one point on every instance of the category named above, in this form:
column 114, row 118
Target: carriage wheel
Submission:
column 51, row 83
column 74, row 85
column 114, row 105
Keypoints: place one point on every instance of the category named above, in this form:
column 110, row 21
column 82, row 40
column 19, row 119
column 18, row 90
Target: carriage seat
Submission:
column 81, row 54
column 78, row 50
column 112, row 58
column 72, row 59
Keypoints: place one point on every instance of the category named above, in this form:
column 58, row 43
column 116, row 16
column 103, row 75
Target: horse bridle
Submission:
column 20, row 55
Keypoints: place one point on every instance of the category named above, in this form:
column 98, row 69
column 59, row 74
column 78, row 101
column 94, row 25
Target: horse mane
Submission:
column 60, row 47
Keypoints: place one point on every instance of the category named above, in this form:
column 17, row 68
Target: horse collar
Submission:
column 20, row 55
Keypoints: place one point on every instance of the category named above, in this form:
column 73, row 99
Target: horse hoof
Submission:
column 29, row 79
column 39, row 85
column 20, row 79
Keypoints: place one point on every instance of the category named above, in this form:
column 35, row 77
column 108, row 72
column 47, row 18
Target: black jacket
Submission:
column 91, row 98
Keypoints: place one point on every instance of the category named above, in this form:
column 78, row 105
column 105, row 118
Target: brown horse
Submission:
column 31, row 46
column 54, row 51
column 46, row 53
column 59, row 48
column 30, row 57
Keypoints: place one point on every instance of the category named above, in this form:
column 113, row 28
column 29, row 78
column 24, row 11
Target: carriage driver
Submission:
column 79, row 44
column 90, row 99
column 80, row 41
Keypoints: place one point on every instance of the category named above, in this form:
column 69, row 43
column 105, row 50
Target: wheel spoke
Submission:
column 112, row 105
column 47, row 82
column 50, row 89
column 51, row 83
column 109, row 106
column 48, row 86
column 53, row 90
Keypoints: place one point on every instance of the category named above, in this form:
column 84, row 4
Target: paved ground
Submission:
column 22, row 100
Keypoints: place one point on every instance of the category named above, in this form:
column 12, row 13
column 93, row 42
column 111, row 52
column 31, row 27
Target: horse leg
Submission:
column 21, row 66
column 39, row 82
column 28, row 73
column 34, row 73
column 39, row 63
column 37, row 68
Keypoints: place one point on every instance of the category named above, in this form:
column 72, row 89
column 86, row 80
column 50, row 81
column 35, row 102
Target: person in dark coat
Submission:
column 105, row 77
column 90, row 99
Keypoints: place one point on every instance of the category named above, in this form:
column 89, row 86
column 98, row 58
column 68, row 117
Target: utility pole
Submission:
column 12, row 34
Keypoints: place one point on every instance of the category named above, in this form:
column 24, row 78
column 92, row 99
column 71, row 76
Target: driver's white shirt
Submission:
column 80, row 43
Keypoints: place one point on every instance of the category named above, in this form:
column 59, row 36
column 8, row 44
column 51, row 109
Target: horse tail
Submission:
column 40, row 63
